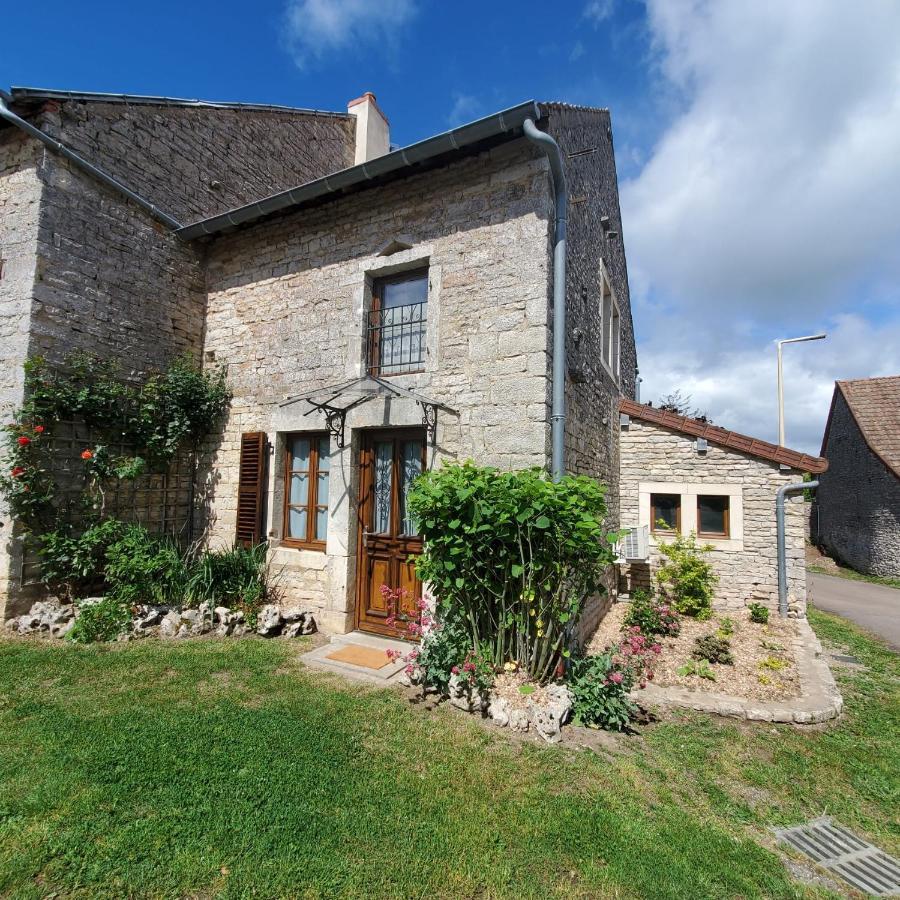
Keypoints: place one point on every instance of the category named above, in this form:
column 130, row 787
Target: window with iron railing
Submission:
column 397, row 323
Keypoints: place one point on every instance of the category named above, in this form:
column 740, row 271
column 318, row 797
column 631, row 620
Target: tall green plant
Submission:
column 515, row 554
column 686, row 579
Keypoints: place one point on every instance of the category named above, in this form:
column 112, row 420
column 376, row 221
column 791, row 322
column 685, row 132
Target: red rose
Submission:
column 24, row 441
column 17, row 471
column 86, row 454
column 38, row 429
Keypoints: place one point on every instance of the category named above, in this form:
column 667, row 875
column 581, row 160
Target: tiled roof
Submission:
column 733, row 440
column 875, row 405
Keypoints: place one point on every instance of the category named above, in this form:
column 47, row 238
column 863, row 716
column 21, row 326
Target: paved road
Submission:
column 873, row 606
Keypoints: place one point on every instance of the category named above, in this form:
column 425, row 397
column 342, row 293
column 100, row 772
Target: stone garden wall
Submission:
column 653, row 457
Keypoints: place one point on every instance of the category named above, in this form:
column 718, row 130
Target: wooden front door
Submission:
column 389, row 461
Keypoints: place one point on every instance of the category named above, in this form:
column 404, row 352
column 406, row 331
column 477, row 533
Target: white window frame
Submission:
column 610, row 331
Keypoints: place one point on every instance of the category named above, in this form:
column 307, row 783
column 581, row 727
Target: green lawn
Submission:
column 210, row 768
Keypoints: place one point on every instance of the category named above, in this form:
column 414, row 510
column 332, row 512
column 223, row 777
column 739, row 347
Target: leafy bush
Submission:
column 144, row 568
column 600, row 684
column 697, row 667
column 514, row 556
column 713, row 649
column 441, row 649
column 237, row 578
column 100, row 620
column 687, row 579
column 74, row 563
column 759, row 613
column 651, row 615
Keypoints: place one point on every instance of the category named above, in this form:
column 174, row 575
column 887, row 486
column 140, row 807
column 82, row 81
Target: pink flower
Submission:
column 616, row 677
column 455, row 670
column 392, row 654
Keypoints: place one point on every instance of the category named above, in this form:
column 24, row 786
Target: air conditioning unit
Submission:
column 635, row 545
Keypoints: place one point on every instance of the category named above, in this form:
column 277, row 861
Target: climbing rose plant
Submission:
column 513, row 557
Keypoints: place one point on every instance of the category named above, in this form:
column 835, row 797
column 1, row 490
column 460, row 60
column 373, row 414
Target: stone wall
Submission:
column 286, row 308
column 592, row 389
column 20, row 194
column 195, row 162
column 856, row 516
column 747, row 563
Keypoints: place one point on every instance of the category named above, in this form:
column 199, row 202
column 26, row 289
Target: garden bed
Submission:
column 765, row 664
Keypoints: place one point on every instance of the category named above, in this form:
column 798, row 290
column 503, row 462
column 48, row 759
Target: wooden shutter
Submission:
column 251, row 488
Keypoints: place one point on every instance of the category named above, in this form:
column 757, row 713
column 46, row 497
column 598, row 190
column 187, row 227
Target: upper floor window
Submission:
column 395, row 340
column 306, row 469
column 611, row 325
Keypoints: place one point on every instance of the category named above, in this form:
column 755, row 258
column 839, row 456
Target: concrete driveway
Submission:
column 873, row 606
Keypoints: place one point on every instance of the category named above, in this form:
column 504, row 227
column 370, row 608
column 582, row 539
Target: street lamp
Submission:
column 809, row 337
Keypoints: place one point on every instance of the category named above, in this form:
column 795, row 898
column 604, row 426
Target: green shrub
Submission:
column 101, row 620
column 145, row 568
column 75, row 563
column 699, row 668
column 441, row 649
column 759, row 613
column 726, row 627
column 713, row 649
column 687, row 579
column 514, row 555
column 651, row 615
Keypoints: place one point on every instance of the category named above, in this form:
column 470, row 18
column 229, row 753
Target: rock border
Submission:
column 819, row 700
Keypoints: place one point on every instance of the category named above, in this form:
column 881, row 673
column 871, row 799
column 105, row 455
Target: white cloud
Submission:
column 577, row 51
column 465, row 109
column 316, row 28
column 769, row 206
column 599, row 10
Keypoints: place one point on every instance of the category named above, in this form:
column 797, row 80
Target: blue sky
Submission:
column 757, row 146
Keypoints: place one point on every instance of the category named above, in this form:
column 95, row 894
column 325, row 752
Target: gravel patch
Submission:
column 765, row 667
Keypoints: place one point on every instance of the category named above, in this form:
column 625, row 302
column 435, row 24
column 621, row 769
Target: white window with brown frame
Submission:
column 307, row 465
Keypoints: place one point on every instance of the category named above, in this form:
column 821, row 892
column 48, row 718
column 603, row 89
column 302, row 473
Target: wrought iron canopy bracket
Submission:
column 429, row 418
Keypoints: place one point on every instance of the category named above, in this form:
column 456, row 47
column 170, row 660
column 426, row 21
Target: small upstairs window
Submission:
column 396, row 329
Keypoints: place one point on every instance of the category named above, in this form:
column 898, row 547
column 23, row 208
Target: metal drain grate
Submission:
column 840, row 851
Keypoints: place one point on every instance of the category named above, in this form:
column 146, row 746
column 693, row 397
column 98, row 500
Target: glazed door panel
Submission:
column 389, row 462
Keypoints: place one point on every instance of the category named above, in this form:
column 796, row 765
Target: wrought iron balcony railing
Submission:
column 395, row 339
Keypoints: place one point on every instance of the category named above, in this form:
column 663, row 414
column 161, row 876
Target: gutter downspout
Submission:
column 782, row 553
column 81, row 163
column 558, row 409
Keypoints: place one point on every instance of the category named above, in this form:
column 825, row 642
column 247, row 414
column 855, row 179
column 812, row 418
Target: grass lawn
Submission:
column 221, row 768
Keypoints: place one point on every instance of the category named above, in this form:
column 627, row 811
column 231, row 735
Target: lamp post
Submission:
column 797, row 340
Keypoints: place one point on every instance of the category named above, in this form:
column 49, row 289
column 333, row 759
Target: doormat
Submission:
column 356, row 655
column 840, row 851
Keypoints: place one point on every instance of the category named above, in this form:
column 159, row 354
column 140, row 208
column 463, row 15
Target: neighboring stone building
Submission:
column 856, row 516
column 724, row 492
column 377, row 311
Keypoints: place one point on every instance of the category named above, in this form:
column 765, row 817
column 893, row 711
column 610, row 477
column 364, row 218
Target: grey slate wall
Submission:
column 856, row 517
column 592, row 443
column 195, row 162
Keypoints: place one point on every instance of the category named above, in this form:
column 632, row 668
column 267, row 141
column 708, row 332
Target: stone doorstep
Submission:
column 819, row 699
column 318, row 658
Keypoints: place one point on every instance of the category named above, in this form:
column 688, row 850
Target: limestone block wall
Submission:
column 20, row 194
column 857, row 510
column 653, row 457
column 286, row 308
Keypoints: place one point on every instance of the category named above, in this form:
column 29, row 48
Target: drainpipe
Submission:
column 558, row 409
column 81, row 163
column 782, row 553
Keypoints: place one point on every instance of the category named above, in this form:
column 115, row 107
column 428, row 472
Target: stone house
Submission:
column 684, row 475
column 378, row 312
column 856, row 515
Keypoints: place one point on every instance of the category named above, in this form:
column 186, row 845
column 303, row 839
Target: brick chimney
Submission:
column 373, row 136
